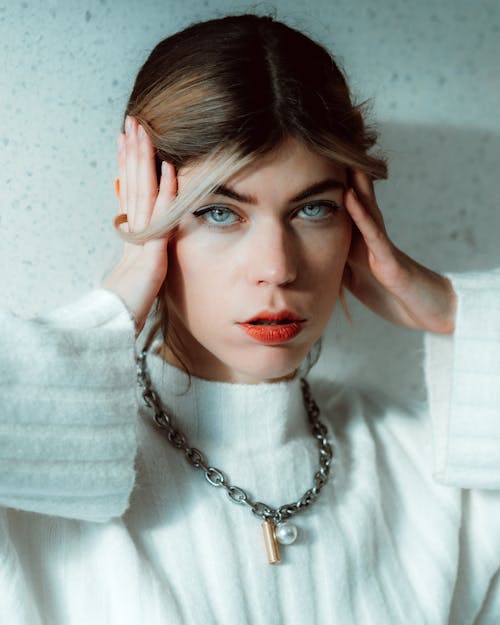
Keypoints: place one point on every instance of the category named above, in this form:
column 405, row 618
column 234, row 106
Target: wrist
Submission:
column 433, row 303
column 442, row 306
column 450, row 306
column 136, row 293
column 137, row 326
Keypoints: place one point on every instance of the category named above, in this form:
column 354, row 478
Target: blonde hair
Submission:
column 222, row 93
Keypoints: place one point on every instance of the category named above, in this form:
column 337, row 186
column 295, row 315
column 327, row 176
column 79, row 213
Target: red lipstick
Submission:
column 272, row 328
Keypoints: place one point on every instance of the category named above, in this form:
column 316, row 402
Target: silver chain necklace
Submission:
column 276, row 526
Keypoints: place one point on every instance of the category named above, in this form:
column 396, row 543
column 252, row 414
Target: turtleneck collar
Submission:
column 224, row 414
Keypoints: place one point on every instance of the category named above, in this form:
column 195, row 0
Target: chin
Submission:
column 272, row 364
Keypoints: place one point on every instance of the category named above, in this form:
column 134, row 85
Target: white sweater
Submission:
column 105, row 523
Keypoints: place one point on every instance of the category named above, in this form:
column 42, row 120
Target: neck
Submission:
column 215, row 372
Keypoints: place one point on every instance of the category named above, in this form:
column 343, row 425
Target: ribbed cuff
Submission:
column 69, row 406
column 463, row 379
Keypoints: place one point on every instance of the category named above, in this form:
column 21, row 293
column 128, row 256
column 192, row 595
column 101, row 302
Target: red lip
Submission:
column 272, row 334
column 281, row 315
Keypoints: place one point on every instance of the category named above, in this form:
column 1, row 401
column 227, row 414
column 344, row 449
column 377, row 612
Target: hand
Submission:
column 384, row 278
column 138, row 276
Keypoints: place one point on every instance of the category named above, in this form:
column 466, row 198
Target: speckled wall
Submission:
column 432, row 69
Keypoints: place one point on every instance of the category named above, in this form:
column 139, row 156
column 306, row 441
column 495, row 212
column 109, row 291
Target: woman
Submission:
column 265, row 209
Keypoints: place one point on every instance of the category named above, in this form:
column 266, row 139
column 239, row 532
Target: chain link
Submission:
column 216, row 477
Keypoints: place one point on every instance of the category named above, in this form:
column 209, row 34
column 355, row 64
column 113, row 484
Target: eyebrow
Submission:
column 330, row 184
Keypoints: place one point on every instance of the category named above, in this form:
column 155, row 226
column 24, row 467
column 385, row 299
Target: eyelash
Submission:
column 201, row 212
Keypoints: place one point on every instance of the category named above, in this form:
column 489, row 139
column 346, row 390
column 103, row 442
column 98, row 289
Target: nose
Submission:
column 272, row 255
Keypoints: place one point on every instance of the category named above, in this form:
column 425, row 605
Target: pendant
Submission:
column 285, row 534
column 272, row 550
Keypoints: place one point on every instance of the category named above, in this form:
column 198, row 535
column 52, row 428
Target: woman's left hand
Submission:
column 384, row 278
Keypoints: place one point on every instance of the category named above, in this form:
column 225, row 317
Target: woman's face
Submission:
column 255, row 271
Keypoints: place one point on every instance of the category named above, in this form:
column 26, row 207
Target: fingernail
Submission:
column 164, row 168
column 142, row 133
column 128, row 124
column 354, row 193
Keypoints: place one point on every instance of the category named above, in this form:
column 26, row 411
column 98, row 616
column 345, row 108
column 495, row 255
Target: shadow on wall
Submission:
column 442, row 207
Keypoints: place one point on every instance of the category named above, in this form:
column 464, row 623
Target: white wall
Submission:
column 432, row 69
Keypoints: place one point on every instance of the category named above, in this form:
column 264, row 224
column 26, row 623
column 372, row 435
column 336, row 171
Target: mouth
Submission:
column 271, row 322
column 278, row 318
column 273, row 328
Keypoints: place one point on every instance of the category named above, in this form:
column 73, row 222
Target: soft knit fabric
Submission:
column 463, row 380
column 68, row 410
column 393, row 538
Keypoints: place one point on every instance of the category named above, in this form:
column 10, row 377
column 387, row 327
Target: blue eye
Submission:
column 217, row 215
column 318, row 210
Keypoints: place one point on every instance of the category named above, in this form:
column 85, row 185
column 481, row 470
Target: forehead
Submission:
column 292, row 165
column 292, row 161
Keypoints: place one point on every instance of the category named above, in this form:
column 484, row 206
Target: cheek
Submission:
column 324, row 281
column 191, row 279
column 328, row 254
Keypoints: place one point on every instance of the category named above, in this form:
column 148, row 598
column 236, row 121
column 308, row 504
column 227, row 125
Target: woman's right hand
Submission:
column 139, row 274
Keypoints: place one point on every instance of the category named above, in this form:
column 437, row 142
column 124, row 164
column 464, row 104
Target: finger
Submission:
column 374, row 237
column 168, row 189
column 168, row 186
column 363, row 185
column 131, row 156
column 147, row 184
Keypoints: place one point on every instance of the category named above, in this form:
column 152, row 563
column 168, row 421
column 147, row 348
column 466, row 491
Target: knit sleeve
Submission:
column 463, row 381
column 476, row 595
column 68, row 410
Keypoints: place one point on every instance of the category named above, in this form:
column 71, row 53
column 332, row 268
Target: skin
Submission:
column 270, row 254
column 276, row 261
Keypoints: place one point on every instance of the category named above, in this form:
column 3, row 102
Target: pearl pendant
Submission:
column 286, row 533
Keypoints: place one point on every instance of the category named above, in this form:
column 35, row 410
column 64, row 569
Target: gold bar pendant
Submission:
column 273, row 553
